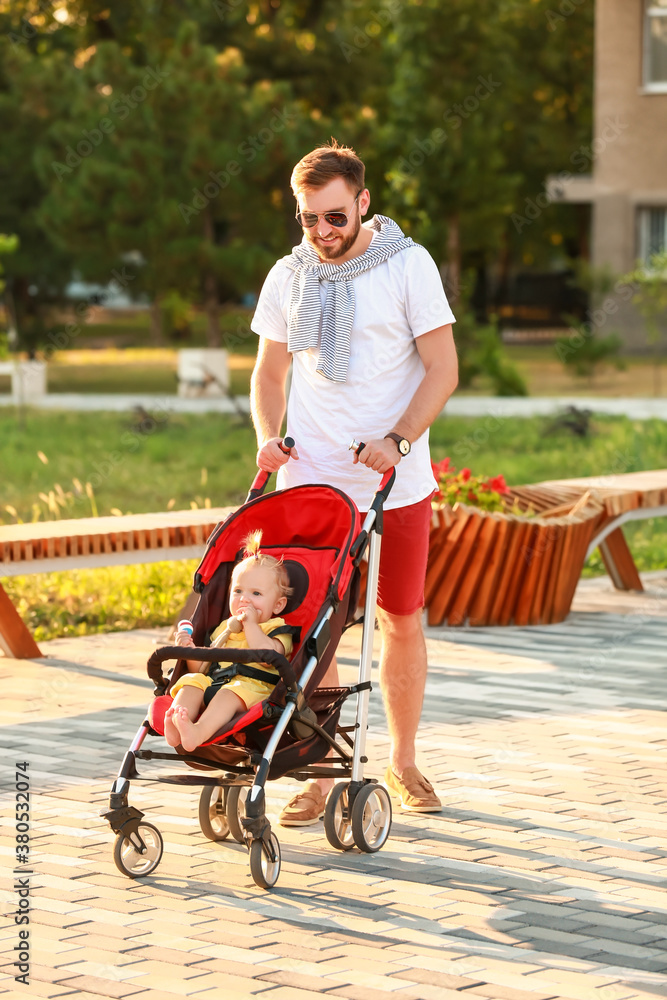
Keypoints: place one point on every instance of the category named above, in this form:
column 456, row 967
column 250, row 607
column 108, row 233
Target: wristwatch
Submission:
column 402, row 443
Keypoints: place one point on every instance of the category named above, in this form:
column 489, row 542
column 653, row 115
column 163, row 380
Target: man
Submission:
column 361, row 312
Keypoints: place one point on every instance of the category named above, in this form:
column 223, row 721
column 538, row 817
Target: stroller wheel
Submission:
column 131, row 860
column 371, row 817
column 265, row 862
column 236, row 796
column 213, row 812
column 337, row 822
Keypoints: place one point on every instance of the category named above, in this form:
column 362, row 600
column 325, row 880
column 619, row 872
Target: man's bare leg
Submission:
column 403, row 665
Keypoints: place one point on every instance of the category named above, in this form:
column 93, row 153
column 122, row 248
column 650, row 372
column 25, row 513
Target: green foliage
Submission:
column 118, row 119
column 8, row 245
column 650, row 297
column 485, row 101
column 86, row 602
column 482, row 354
column 583, row 352
column 525, row 453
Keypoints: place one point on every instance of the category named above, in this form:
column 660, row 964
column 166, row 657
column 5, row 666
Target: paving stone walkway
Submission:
column 543, row 877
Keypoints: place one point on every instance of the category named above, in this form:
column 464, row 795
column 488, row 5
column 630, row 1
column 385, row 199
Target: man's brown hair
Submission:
column 326, row 163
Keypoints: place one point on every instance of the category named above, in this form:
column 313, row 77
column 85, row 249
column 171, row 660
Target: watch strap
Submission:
column 398, row 439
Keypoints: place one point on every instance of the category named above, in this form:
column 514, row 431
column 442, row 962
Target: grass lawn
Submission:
column 185, row 459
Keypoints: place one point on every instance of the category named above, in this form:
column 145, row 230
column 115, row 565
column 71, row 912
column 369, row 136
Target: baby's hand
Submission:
column 249, row 614
column 184, row 639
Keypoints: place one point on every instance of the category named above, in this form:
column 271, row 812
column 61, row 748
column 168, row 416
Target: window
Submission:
column 652, row 232
column 655, row 46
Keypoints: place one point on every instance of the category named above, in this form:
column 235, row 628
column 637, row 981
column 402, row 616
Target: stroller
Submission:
column 318, row 533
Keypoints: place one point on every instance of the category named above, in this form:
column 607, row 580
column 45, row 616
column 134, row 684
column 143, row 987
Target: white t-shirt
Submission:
column 395, row 302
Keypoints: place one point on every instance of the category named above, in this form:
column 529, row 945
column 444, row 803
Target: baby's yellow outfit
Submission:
column 248, row 689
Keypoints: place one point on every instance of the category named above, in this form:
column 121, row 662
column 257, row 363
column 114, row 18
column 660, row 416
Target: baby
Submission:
column 258, row 592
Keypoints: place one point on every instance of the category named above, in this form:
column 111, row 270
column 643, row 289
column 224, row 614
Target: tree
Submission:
column 459, row 110
column 37, row 272
column 149, row 177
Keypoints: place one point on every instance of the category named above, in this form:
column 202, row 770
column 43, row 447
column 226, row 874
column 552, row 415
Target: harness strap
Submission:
column 225, row 674
column 293, row 630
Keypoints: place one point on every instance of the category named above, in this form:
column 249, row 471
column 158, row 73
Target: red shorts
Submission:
column 403, row 558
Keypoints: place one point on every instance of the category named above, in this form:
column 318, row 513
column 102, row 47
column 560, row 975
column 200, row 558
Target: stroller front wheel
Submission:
column 337, row 820
column 133, row 860
column 213, row 812
column 371, row 818
column 265, row 862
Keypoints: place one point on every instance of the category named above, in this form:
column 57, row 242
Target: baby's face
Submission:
column 255, row 587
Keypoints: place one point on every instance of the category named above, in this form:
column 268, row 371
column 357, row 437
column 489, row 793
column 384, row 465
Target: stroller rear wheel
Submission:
column 337, row 821
column 371, row 817
column 213, row 805
column 236, row 796
column 265, row 862
column 134, row 861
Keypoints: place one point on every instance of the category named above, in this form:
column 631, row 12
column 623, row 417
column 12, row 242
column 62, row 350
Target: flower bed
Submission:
column 499, row 557
column 496, row 568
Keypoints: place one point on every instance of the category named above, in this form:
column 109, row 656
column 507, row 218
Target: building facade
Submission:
column 625, row 176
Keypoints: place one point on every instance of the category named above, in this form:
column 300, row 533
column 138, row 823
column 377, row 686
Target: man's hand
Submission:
column 271, row 456
column 379, row 455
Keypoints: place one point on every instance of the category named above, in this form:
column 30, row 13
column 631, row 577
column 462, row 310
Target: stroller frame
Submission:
column 358, row 809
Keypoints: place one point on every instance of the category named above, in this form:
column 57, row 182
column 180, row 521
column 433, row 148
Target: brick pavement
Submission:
column 543, row 877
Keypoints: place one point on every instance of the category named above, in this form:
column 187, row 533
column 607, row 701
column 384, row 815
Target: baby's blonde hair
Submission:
column 255, row 557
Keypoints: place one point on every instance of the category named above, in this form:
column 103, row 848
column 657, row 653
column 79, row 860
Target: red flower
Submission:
column 498, row 484
column 440, row 468
column 465, row 475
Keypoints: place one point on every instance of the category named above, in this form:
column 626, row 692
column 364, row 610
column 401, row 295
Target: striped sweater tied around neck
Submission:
column 330, row 328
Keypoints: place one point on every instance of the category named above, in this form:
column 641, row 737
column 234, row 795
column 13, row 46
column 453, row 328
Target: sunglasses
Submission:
column 338, row 219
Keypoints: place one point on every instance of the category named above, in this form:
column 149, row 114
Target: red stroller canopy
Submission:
column 304, row 517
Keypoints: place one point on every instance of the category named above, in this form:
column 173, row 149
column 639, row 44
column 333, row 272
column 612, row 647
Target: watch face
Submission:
column 404, row 446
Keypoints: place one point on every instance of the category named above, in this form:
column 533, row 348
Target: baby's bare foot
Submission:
column 186, row 728
column 171, row 733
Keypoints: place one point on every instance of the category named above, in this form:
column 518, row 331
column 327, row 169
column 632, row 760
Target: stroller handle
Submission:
column 262, row 477
column 209, row 654
column 373, row 517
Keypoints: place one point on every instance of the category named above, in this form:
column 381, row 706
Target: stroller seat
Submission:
column 309, row 571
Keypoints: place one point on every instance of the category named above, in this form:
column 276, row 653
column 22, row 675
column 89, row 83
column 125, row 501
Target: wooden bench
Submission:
column 521, row 567
column 630, row 496
column 46, row 546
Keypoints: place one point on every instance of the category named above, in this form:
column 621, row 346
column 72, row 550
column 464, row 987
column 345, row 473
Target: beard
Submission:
column 338, row 247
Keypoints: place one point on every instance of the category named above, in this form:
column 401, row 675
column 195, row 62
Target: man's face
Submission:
column 330, row 242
